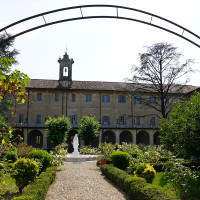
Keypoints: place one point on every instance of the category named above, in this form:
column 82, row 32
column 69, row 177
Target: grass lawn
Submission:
column 162, row 181
column 8, row 188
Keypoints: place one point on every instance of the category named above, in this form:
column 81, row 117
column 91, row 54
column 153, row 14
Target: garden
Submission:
column 148, row 172
column 26, row 172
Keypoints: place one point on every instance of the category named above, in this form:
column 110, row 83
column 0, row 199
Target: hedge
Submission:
column 37, row 190
column 136, row 187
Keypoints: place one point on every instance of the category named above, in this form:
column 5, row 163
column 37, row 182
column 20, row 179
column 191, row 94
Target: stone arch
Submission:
column 126, row 136
column 35, row 138
column 70, row 138
column 156, row 139
column 108, row 137
column 17, row 136
column 142, row 138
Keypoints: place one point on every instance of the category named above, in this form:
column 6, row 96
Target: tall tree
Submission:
column 7, row 50
column 88, row 129
column 159, row 73
column 57, row 129
column 181, row 132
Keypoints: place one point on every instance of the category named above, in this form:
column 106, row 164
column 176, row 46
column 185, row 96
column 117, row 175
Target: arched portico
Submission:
column 156, row 139
column 126, row 136
column 108, row 137
column 142, row 138
column 35, row 138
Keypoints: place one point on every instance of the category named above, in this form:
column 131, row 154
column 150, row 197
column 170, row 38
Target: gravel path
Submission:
column 82, row 181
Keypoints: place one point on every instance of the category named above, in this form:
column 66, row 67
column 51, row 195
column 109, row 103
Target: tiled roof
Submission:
column 92, row 85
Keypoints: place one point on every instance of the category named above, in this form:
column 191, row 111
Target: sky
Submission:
column 102, row 49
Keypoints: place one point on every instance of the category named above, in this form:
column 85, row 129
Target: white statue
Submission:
column 75, row 144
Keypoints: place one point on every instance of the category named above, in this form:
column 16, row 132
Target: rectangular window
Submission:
column 106, row 120
column 56, row 116
column 122, row 99
column 88, row 97
column 153, row 100
column 56, row 97
column 39, row 96
column 137, row 120
column 122, row 120
column 73, row 97
column 137, row 100
column 21, row 118
column 166, row 101
column 38, row 139
column 73, row 119
column 38, row 119
column 153, row 121
column 106, row 98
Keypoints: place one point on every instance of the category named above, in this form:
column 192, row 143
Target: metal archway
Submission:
column 117, row 16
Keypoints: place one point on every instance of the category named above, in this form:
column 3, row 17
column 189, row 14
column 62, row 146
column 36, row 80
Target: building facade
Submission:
column 122, row 117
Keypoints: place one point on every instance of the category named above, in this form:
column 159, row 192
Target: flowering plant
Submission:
column 23, row 149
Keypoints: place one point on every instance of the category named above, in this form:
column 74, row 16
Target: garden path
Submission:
column 82, row 181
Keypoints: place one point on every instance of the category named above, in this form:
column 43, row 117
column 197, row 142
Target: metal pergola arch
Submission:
column 95, row 17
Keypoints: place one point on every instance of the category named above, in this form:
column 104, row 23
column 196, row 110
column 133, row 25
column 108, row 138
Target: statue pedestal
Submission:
column 79, row 158
column 75, row 153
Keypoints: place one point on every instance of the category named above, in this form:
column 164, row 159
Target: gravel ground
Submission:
column 82, row 181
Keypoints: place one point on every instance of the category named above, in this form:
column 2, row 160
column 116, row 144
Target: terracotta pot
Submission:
column 103, row 162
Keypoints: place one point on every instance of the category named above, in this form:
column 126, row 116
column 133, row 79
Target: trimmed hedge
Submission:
column 116, row 175
column 37, row 190
column 136, row 187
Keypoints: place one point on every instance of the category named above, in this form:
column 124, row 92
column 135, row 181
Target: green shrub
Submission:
column 11, row 156
column 43, row 156
column 24, row 171
column 120, row 159
column 37, row 190
column 145, row 171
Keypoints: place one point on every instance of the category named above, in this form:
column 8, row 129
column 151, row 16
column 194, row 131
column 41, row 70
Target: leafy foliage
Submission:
column 58, row 129
column 11, row 156
column 88, row 128
column 181, row 133
column 89, row 150
column 24, row 171
column 182, row 178
column 5, row 49
column 12, row 87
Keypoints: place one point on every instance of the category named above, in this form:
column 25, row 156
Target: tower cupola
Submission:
column 65, row 68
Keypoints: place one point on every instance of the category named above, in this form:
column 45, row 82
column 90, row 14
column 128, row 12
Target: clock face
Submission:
column 65, row 71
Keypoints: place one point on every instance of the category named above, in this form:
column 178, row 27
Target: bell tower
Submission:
column 65, row 73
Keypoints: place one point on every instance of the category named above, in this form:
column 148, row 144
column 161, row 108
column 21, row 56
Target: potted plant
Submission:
column 103, row 159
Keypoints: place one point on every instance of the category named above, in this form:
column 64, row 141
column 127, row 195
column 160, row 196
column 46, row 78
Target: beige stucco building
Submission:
column 122, row 117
